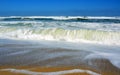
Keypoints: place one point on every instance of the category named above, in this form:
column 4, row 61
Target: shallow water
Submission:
column 54, row 54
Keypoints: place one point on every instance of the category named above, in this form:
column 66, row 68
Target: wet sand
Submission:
column 45, row 70
column 50, row 69
column 100, row 67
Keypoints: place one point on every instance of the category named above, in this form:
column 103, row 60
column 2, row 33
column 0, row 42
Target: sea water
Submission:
column 73, row 40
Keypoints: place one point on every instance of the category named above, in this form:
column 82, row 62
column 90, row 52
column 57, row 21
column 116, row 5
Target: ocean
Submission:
column 88, row 45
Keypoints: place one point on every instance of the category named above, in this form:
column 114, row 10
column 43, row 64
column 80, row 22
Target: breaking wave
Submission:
column 59, row 34
column 81, row 29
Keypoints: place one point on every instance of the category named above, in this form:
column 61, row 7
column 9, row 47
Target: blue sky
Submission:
column 59, row 7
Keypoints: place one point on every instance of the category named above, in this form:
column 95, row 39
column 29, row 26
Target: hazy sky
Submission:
column 60, row 7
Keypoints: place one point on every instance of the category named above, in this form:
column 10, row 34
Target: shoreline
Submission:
column 99, row 67
column 36, row 69
column 10, row 70
column 35, row 59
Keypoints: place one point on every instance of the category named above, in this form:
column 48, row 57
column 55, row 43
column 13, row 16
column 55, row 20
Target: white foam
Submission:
column 19, row 52
column 51, row 73
column 109, row 38
column 102, row 17
column 113, row 57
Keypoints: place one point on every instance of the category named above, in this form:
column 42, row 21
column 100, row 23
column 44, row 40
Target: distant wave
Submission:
column 62, row 18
